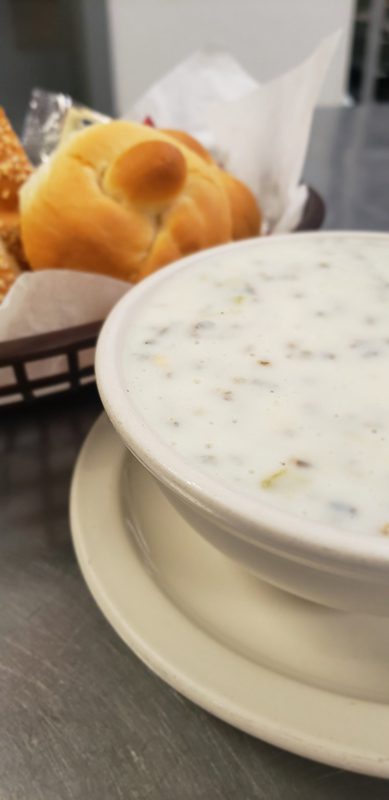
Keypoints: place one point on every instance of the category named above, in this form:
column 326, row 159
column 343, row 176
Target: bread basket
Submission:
column 73, row 348
column 70, row 351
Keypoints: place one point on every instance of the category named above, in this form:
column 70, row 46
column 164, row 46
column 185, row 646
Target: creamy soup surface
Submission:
column 268, row 369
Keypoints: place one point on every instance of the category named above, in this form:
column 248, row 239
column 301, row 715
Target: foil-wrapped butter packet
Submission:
column 50, row 119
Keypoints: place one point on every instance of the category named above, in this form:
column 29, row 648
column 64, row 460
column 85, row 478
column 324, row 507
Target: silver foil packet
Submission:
column 52, row 117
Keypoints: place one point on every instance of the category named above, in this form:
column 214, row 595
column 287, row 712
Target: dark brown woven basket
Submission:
column 68, row 354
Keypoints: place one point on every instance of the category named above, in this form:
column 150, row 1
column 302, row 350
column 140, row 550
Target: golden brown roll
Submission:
column 124, row 199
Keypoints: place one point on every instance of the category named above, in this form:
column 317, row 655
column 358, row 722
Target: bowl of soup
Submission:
column 252, row 381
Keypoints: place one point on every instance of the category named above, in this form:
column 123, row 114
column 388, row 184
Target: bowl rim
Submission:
column 247, row 518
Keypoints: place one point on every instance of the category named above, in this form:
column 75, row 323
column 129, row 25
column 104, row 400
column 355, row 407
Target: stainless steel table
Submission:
column 80, row 717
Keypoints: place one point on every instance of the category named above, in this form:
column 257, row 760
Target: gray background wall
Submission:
column 60, row 45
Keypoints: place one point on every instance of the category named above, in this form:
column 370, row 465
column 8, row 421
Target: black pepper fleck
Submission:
column 344, row 508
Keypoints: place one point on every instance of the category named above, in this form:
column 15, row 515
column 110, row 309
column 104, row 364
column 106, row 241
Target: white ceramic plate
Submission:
column 298, row 675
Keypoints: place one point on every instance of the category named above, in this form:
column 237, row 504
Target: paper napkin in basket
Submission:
column 52, row 300
column 259, row 132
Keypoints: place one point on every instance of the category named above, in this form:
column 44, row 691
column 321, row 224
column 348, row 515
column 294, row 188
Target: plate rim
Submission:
column 207, row 697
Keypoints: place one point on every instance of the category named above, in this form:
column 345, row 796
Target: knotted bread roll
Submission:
column 124, row 199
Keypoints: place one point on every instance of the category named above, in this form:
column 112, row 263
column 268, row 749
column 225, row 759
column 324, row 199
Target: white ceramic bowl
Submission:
column 322, row 564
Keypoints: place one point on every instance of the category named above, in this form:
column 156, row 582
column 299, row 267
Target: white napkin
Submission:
column 51, row 300
column 259, row 132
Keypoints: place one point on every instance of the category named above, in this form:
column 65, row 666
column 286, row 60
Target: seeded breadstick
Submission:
column 14, row 166
column 9, row 271
column 14, row 170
